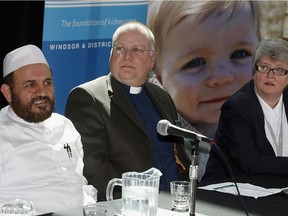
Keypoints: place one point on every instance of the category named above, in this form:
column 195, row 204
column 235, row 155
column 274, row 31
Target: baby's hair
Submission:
column 163, row 16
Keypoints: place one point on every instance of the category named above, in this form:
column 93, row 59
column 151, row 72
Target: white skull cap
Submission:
column 22, row 56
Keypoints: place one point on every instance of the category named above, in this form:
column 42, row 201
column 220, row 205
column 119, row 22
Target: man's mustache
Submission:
column 41, row 98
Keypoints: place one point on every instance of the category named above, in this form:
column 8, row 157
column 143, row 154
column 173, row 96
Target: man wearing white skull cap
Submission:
column 22, row 56
column 41, row 155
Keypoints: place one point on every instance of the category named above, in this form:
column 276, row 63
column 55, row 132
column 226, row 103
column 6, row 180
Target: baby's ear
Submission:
column 6, row 91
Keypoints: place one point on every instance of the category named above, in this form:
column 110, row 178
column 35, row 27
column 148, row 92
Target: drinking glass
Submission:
column 180, row 195
column 96, row 209
column 17, row 207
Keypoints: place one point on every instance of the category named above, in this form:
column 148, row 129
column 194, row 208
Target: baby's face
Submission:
column 202, row 65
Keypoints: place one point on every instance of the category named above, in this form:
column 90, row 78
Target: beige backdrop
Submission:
column 273, row 16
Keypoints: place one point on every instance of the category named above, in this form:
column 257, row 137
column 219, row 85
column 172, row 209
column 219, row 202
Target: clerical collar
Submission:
column 130, row 89
column 135, row 90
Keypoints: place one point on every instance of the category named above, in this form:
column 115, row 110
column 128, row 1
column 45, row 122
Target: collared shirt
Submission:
column 277, row 119
column 41, row 162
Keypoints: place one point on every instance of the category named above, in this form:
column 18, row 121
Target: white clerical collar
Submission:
column 135, row 90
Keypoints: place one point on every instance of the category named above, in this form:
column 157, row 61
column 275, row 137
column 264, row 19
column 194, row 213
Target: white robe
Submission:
column 35, row 166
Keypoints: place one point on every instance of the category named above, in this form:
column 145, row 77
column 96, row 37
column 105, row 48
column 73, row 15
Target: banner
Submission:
column 77, row 39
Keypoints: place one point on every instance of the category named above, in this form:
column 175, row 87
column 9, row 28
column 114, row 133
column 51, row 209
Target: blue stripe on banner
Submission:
column 88, row 56
column 75, row 62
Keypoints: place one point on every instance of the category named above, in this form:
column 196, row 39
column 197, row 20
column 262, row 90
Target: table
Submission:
column 213, row 203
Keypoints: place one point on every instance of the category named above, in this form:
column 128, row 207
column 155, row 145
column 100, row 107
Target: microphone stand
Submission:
column 193, row 175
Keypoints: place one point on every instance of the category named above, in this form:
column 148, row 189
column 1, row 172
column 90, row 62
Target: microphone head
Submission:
column 162, row 127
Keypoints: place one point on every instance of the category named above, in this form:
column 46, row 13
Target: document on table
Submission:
column 164, row 212
column 245, row 189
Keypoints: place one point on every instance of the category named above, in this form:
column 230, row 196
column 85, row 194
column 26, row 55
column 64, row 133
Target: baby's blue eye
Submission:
column 195, row 63
column 240, row 54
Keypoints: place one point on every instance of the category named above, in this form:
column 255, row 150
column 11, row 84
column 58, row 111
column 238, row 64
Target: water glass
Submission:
column 17, row 207
column 96, row 209
column 180, row 195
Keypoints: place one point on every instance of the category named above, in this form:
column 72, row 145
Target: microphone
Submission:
column 164, row 127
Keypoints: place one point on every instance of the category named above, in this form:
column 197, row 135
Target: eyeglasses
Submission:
column 136, row 50
column 276, row 71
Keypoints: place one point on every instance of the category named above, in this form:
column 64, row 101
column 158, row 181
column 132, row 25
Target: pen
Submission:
column 68, row 149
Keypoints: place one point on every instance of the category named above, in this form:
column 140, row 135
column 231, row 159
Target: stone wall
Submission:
column 273, row 16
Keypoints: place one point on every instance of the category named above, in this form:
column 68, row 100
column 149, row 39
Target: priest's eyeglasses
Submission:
column 136, row 50
column 276, row 71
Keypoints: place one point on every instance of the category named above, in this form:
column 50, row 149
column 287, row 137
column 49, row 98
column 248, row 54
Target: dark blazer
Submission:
column 113, row 136
column 241, row 135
